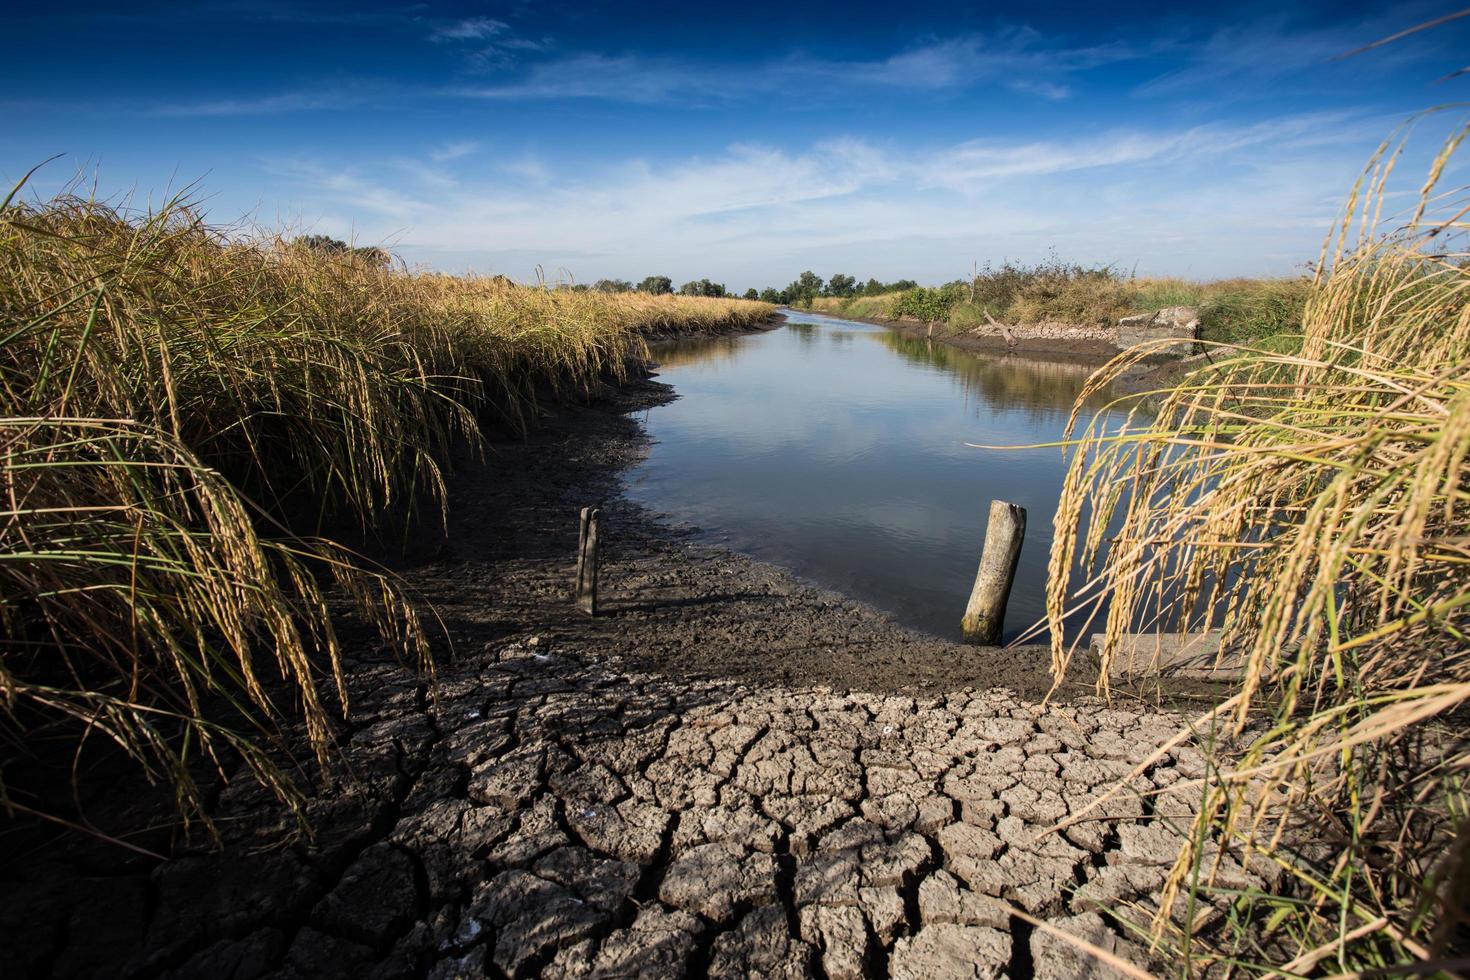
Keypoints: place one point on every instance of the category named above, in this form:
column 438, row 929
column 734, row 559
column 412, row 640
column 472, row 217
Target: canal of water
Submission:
column 839, row 450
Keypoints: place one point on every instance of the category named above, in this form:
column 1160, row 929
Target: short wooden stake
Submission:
column 985, row 613
column 587, row 561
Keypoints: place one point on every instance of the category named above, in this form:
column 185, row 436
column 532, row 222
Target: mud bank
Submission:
column 729, row 772
column 670, row 602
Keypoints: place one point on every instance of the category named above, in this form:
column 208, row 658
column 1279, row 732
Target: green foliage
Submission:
column 1054, row 291
column 840, row 285
column 1051, row 290
column 613, row 286
column 1156, row 294
column 809, row 291
column 875, row 288
column 929, row 304
column 656, row 285
column 1245, row 311
column 752, row 294
column 801, row 292
column 702, row 287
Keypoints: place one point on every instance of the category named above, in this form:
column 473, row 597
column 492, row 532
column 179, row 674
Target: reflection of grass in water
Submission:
column 699, row 350
column 1006, row 381
column 713, row 350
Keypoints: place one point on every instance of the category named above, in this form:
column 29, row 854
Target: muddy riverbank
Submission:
column 728, row 772
column 671, row 602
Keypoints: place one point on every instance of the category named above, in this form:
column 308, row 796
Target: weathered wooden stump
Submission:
column 587, row 560
column 986, row 611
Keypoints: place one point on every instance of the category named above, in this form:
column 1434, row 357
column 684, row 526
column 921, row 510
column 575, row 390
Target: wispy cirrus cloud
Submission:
column 283, row 102
column 453, row 150
column 1243, row 58
column 975, row 162
column 1022, row 60
column 1019, row 60
column 470, row 29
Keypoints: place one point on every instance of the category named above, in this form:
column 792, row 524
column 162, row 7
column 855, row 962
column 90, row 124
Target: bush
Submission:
column 1155, row 294
column 929, row 304
column 1245, row 311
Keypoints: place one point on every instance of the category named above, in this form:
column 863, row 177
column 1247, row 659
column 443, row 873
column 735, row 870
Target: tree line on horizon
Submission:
column 800, row 291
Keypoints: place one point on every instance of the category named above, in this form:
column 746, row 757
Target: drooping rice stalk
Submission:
column 1315, row 507
column 172, row 398
column 135, row 593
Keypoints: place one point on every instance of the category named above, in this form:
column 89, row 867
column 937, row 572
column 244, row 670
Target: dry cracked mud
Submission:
column 729, row 773
column 543, row 815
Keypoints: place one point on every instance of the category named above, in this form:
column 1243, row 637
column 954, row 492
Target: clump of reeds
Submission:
column 182, row 408
column 1314, row 506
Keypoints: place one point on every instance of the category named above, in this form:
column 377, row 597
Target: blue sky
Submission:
column 743, row 142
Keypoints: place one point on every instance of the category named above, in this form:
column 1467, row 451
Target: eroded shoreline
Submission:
column 646, row 793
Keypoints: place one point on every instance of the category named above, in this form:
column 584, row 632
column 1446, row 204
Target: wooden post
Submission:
column 587, row 561
column 986, row 611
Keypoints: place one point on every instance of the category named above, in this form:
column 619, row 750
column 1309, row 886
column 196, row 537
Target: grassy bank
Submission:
column 185, row 409
column 1315, row 506
column 1232, row 310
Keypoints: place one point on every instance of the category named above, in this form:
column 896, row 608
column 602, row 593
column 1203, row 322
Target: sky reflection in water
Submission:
column 837, row 449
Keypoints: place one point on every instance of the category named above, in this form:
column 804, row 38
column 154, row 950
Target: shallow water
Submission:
column 838, row 450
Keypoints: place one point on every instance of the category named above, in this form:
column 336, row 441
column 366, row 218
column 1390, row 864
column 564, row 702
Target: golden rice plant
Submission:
column 140, row 605
column 181, row 407
column 1314, row 507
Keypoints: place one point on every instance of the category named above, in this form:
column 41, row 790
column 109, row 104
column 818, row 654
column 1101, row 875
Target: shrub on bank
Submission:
column 173, row 398
column 1251, row 310
column 928, row 304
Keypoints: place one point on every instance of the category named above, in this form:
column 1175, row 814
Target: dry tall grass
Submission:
column 172, row 397
column 1316, row 507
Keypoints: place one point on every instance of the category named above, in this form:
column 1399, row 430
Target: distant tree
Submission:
column 807, row 287
column 613, row 286
column 752, row 294
column 327, row 245
column 702, row 287
column 840, row 285
column 770, row 295
column 657, row 285
column 322, row 243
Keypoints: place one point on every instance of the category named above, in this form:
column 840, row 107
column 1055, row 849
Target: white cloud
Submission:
column 1210, row 200
column 1018, row 59
column 266, row 104
column 470, row 29
column 1047, row 90
column 453, row 151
